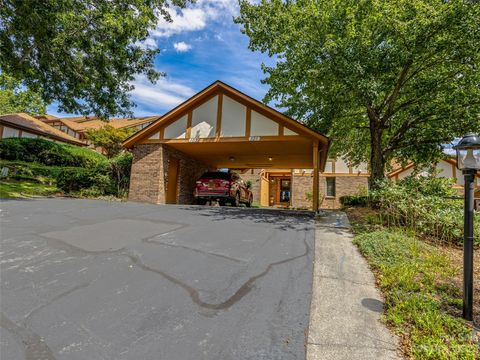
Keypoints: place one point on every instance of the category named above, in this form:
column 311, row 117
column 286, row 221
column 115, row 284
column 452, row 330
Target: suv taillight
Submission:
column 199, row 183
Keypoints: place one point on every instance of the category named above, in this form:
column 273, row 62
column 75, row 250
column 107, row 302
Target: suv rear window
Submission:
column 216, row 175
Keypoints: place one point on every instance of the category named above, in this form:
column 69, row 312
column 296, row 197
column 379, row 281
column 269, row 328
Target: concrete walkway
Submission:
column 346, row 306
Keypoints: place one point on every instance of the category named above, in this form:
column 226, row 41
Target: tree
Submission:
column 109, row 139
column 385, row 79
column 15, row 98
column 83, row 54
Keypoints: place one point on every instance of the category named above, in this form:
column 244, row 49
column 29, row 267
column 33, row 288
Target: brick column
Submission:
column 147, row 176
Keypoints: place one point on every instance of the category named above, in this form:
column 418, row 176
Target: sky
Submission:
column 201, row 45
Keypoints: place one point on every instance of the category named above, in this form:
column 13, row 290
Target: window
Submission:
column 330, row 186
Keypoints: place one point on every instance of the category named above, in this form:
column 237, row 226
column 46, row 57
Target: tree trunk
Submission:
column 377, row 160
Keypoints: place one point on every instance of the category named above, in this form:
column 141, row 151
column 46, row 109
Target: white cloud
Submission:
column 163, row 95
column 182, row 46
column 149, row 43
column 195, row 17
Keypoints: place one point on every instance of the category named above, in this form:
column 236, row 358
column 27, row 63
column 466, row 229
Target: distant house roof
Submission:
column 82, row 124
column 45, row 117
column 32, row 125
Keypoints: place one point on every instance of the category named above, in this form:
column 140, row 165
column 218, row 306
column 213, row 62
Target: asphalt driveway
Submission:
column 85, row 279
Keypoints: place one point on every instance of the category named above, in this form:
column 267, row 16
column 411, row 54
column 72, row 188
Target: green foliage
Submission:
column 15, row 98
column 354, row 200
column 248, row 184
column 80, row 53
column 109, row 138
column 120, row 172
column 74, row 179
column 360, row 198
column 384, row 79
column 31, row 170
column 75, row 170
column 49, row 153
column 419, row 301
column 426, row 205
column 21, row 189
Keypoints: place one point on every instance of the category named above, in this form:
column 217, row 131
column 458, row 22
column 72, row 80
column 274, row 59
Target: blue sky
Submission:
column 201, row 45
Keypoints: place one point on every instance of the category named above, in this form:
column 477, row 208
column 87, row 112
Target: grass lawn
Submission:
column 422, row 302
column 24, row 189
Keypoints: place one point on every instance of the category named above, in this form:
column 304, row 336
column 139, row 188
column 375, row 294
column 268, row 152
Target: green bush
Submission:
column 120, row 167
column 425, row 204
column 49, row 153
column 74, row 179
column 17, row 169
column 76, row 170
column 354, row 200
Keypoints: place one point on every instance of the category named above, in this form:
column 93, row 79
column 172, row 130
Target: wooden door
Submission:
column 172, row 184
column 264, row 190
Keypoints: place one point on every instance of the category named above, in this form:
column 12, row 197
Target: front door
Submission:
column 172, row 184
column 285, row 191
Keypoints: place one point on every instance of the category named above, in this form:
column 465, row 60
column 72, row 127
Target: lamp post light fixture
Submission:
column 468, row 160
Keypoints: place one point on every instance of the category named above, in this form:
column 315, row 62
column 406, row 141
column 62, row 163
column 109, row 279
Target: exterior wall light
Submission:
column 468, row 160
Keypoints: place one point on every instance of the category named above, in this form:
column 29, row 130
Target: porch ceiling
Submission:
column 291, row 153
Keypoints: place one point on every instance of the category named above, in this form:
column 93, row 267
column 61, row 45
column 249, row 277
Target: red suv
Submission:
column 223, row 187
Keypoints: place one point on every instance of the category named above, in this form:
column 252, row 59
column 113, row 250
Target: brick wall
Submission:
column 146, row 180
column 149, row 178
column 302, row 195
column 255, row 179
column 344, row 185
column 302, row 187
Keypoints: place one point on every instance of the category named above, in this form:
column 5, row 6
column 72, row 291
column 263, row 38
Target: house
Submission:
column 221, row 127
column 78, row 126
column 446, row 167
column 25, row 126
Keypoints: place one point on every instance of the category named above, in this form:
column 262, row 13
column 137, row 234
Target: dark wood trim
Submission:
column 189, row 125
column 218, row 127
column 248, row 122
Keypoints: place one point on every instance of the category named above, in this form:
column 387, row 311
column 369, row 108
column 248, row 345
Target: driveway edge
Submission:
column 346, row 307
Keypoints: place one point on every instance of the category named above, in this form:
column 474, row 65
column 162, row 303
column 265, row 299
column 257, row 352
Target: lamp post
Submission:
column 468, row 160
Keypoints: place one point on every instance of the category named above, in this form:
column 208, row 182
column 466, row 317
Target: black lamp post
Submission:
column 468, row 160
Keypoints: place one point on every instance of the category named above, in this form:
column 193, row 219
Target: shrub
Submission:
column 48, row 153
column 33, row 170
column 120, row 167
column 425, row 204
column 354, row 200
column 74, row 179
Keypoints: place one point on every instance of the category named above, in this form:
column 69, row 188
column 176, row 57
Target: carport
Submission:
column 220, row 127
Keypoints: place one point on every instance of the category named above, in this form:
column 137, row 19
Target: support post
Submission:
column 469, row 176
column 316, row 177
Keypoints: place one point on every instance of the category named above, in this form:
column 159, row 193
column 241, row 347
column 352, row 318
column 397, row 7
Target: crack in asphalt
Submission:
column 153, row 242
column 35, row 347
column 237, row 296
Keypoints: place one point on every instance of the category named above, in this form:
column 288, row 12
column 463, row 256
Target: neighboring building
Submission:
column 25, row 126
column 293, row 187
column 78, row 126
column 444, row 168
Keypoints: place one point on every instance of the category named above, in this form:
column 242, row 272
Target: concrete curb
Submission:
column 346, row 306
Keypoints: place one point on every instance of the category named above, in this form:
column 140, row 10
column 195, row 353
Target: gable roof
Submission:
column 210, row 91
column 86, row 123
column 30, row 124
